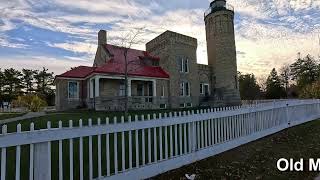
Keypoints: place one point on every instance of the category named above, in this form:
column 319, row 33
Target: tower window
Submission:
column 186, row 65
column 184, row 89
column 183, row 65
column 181, row 89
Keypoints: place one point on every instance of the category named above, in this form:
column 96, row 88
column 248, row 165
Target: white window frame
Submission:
column 181, row 65
column 122, row 90
column 184, row 105
column 78, row 90
column 201, row 88
column 182, row 88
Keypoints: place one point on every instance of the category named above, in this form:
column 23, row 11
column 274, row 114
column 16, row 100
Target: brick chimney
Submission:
column 102, row 37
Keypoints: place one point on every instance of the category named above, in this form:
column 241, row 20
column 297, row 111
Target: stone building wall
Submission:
column 62, row 100
column 171, row 47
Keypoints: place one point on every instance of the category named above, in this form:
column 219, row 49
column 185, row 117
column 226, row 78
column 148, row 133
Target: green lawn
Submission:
column 41, row 122
column 10, row 115
column 257, row 160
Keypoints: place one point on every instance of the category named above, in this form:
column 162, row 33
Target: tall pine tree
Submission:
column 275, row 90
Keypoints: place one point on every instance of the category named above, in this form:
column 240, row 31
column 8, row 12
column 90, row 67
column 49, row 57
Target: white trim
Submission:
column 201, row 88
column 206, row 84
column 66, row 78
column 78, row 91
column 116, row 76
column 182, row 65
column 183, row 91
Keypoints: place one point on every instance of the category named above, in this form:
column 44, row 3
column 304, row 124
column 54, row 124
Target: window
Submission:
column 181, row 89
column 182, row 105
column 73, row 90
column 140, row 90
column 181, row 64
column 162, row 91
column 122, row 89
column 184, row 89
column 163, row 106
column 201, row 88
column 186, row 65
column 189, row 104
column 187, row 88
column 206, row 90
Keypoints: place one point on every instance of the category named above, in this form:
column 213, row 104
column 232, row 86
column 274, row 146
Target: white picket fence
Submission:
column 144, row 146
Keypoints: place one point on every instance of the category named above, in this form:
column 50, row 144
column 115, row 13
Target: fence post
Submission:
column 41, row 159
column 287, row 114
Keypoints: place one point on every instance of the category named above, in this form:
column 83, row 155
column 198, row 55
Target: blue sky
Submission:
column 60, row 34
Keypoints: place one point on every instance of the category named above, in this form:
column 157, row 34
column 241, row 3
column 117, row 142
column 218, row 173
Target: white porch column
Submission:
column 154, row 85
column 129, row 87
column 88, row 89
column 97, row 87
column 91, row 88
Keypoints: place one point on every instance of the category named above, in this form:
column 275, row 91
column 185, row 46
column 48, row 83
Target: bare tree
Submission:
column 126, row 41
column 262, row 82
column 285, row 76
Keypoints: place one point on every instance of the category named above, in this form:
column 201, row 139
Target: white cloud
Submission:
column 56, row 65
column 77, row 47
column 270, row 33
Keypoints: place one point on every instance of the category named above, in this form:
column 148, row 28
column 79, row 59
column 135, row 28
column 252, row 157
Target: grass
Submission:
column 10, row 115
column 257, row 160
column 54, row 118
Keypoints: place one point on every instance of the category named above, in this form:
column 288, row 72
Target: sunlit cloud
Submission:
column 268, row 33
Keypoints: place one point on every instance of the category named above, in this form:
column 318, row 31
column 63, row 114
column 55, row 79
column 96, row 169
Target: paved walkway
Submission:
column 26, row 116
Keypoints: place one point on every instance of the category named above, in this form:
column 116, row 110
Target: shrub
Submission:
column 32, row 102
column 311, row 91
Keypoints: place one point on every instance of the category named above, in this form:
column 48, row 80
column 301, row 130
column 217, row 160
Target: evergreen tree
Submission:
column 249, row 89
column 28, row 80
column 1, row 87
column 305, row 71
column 285, row 76
column 44, row 83
column 274, row 88
column 12, row 84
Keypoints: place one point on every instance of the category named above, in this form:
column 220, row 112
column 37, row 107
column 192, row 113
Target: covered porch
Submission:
column 108, row 93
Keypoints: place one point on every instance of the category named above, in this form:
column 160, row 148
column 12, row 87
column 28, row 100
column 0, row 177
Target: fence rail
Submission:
column 142, row 146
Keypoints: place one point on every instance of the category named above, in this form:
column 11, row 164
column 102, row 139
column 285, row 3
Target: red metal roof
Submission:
column 116, row 65
column 78, row 72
